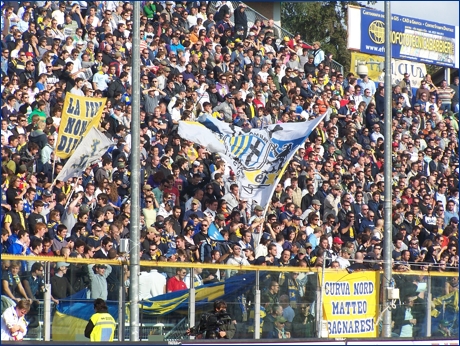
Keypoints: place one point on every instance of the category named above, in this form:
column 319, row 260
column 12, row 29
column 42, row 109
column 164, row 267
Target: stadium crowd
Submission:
column 207, row 58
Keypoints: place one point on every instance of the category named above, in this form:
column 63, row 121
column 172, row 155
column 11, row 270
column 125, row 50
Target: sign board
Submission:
column 412, row 39
column 417, row 71
column 351, row 304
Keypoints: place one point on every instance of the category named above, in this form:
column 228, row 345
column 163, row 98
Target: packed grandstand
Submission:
column 197, row 59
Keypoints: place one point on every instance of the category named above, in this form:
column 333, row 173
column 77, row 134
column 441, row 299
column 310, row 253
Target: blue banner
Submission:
column 412, row 39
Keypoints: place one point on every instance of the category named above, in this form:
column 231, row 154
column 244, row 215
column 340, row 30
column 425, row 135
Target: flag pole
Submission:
column 53, row 168
column 275, row 183
column 70, row 196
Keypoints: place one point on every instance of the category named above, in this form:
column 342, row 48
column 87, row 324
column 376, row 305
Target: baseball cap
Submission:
column 454, row 219
column 303, row 251
column 337, row 240
column 152, row 230
column 84, row 208
column 347, row 250
column 47, row 193
column 316, row 202
column 147, row 187
column 103, row 266
column 258, row 208
column 195, row 201
column 229, row 96
column 160, row 224
column 444, row 323
column 280, row 319
column 62, row 264
column 260, row 260
column 337, row 187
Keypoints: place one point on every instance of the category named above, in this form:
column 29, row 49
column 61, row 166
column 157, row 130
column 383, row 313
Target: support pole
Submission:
column 386, row 328
column 121, row 308
column 135, row 179
column 323, row 285
column 191, row 299
column 257, row 308
column 47, row 303
column 429, row 298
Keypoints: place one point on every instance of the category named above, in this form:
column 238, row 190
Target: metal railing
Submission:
column 178, row 332
column 253, row 16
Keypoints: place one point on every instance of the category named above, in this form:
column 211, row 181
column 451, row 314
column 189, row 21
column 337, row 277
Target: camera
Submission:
column 211, row 323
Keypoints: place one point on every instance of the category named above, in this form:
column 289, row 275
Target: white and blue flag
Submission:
column 90, row 150
column 257, row 156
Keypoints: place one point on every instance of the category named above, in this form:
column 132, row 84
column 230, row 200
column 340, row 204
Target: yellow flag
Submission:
column 79, row 115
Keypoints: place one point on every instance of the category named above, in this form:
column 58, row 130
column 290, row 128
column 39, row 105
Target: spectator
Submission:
column 98, row 274
column 176, row 283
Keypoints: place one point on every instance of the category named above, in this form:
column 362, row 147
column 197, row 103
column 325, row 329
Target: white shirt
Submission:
column 261, row 250
column 344, row 263
column 59, row 16
column 191, row 20
column 11, row 318
column 231, row 200
column 101, row 80
column 76, row 91
column 376, row 135
column 197, row 280
column 236, row 261
column 151, row 284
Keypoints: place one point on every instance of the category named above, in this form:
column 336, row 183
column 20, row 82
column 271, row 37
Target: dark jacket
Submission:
column 116, row 87
column 240, row 17
column 38, row 137
column 303, row 326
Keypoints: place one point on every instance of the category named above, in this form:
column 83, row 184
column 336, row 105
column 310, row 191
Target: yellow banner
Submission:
column 79, row 115
column 416, row 70
column 374, row 69
column 351, row 304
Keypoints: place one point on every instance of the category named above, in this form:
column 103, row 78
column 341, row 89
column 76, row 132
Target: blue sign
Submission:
column 412, row 39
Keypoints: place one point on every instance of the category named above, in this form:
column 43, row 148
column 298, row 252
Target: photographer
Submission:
column 215, row 325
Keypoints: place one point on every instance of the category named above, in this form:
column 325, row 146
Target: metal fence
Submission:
column 178, row 332
column 253, row 16
column 434, row 293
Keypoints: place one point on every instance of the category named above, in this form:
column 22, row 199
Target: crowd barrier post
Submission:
column 191, row 308
column 429, row 297
column 257, row 308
